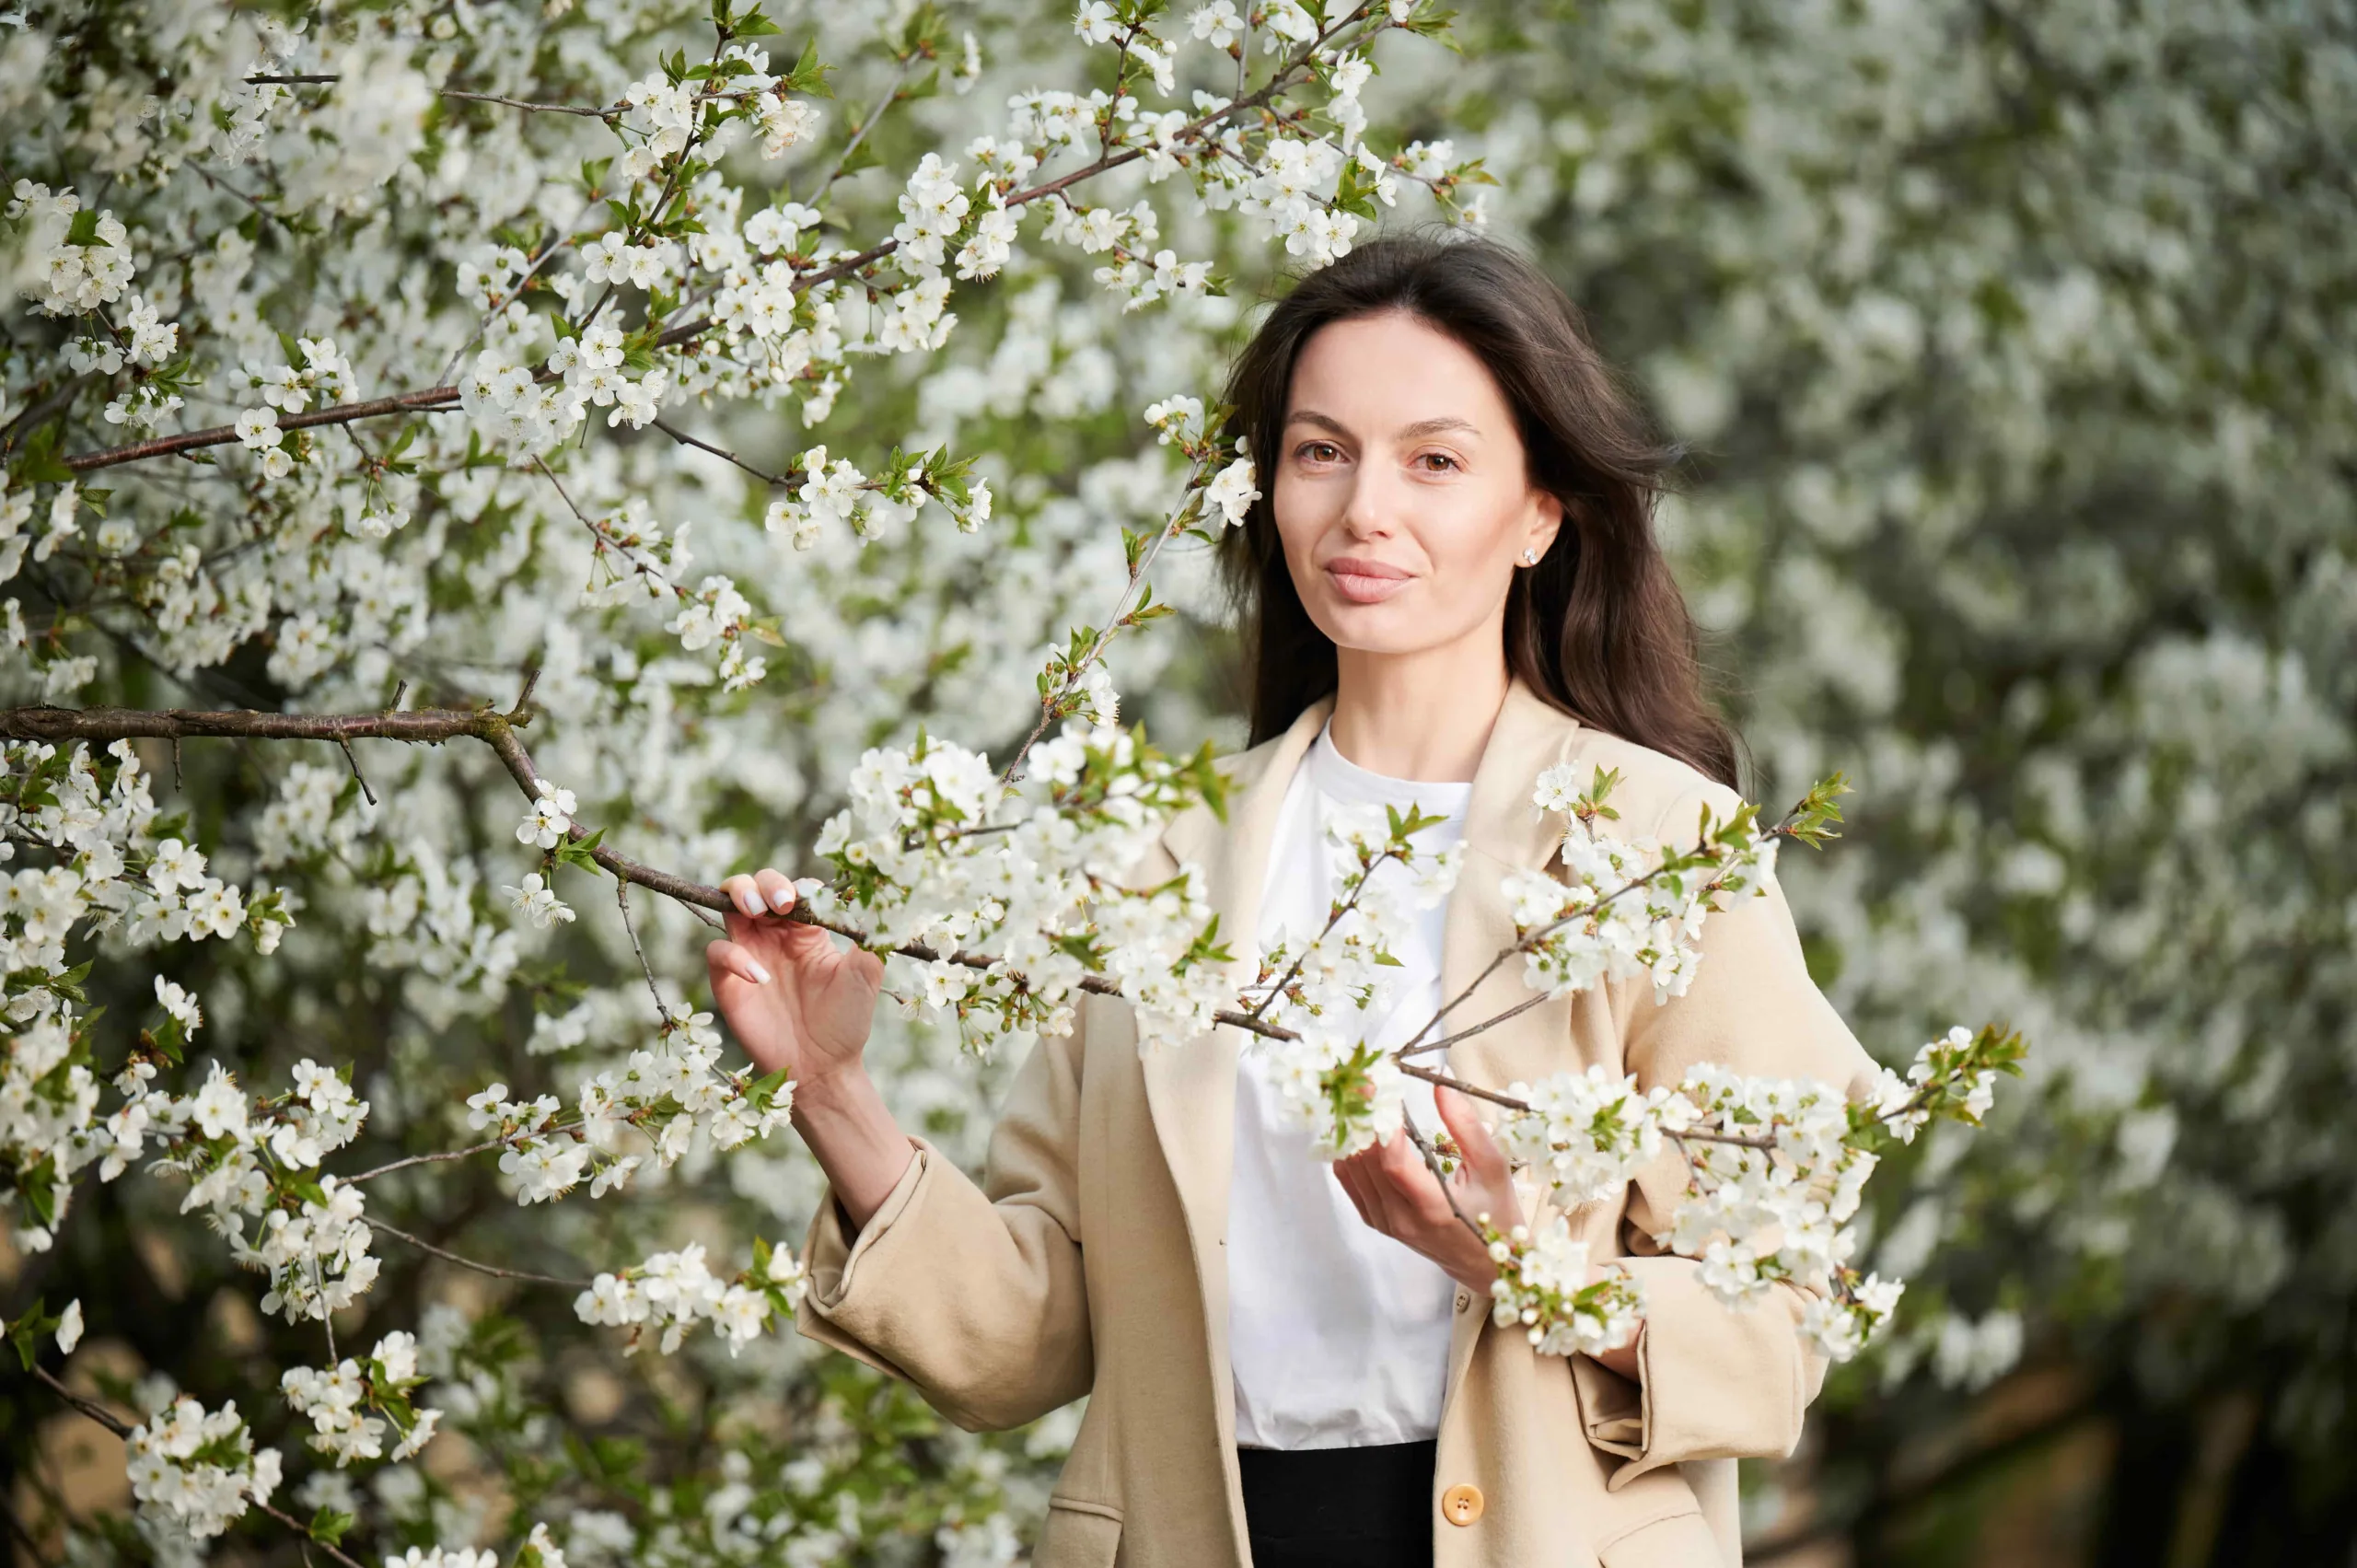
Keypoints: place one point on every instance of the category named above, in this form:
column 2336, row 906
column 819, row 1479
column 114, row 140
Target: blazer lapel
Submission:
column 1190, row 1088
column 1504, row 832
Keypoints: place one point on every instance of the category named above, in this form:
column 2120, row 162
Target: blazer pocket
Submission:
column 1078, row 1535
column 1674, row 1541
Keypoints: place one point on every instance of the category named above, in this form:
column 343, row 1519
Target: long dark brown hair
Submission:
column 1599, row 627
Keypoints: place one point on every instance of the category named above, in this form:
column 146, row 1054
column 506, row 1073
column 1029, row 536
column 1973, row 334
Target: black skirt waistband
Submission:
column 1362, row 1508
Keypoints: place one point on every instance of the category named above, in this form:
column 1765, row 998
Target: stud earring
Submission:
column 1530, row 555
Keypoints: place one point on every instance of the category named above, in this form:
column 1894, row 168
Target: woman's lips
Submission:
column 1365, row 582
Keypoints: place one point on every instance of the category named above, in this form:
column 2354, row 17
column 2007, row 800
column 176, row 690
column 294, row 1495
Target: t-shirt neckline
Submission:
column 1339, row 778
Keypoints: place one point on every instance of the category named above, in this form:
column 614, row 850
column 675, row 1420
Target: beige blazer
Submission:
column 1092, row 1258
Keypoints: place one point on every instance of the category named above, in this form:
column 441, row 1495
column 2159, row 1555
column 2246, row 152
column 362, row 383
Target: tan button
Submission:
column 1464, row 1299
column 1461, row 1504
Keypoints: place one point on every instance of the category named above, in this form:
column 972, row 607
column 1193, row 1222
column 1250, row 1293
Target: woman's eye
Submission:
column 1441, row 461
column 1320, row 451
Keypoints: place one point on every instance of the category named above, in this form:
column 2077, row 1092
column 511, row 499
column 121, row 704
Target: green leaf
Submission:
column 328, row 1526
column 84, row 230
column 808, row 76
column 764, row 1092
column 40, row 463
column 26, row 1332
column 582, row 852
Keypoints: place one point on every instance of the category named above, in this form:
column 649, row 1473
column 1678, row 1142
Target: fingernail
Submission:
column 760, row 975
column 751, row 903
column 783, row 899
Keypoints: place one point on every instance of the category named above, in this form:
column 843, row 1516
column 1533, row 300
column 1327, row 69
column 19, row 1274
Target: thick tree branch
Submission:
column 434, row 726
column 428, row 401
column 430, row 726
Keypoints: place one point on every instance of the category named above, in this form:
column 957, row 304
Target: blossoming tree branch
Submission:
column 286, row 438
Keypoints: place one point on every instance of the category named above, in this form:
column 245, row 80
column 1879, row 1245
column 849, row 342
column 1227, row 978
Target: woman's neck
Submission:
column 1424, row 715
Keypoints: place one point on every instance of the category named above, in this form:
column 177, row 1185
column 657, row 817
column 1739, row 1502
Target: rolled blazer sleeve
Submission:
column 1715, row 1381
column 975, row 1295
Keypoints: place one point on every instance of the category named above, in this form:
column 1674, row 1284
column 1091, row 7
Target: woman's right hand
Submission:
column 795, row 1001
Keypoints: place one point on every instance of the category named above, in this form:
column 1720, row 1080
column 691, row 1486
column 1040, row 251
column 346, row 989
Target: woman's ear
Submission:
column 1544, row 520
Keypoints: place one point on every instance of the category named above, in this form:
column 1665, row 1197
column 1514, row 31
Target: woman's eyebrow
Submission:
column 1433, row 426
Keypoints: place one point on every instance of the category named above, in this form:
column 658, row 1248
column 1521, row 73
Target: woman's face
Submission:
column 1402, row 495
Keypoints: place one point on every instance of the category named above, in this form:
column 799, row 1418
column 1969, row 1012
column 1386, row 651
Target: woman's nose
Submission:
column 1373, row 508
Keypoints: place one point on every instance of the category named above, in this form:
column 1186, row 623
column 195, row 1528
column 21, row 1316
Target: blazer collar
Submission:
column 1191, row 1088
column 1528, row 737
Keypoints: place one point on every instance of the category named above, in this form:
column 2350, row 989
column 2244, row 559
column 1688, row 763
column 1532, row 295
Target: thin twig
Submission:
column 890, row 96
column 1096, row 650
column 615, row 113
column 1431, row 1163
column 1585, row 911
column 1333, row 918
column 550, row 474
column 1516, row 1011
column 492, row 1270
column 359, row 777
column 96, row 1412
column 780, row 480
column 1476, row 1090
column 220, row 184
column 662, row 1010
column 1740, row 1140
column 327, row 1319
column 439, row 1156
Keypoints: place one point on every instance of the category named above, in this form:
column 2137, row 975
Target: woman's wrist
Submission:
column 835, row 1093
column 1472, row 1267
column 841, row 1115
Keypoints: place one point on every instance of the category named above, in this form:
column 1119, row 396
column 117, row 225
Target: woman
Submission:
column 1450, row 585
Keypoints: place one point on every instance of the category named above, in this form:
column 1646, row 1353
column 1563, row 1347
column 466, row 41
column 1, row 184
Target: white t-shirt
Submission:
column 1338, row 1335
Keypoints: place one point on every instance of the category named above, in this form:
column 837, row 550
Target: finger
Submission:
column 744, row 893
column 1414, row 1187
column 1411, row 1196
column 1394, row 1210
column 777, row 888
column 790, row 943
column 730, row 959
column 1354, row 1182
column 1485, row 1162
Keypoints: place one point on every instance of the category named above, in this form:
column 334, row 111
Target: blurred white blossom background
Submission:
column 2009, row 345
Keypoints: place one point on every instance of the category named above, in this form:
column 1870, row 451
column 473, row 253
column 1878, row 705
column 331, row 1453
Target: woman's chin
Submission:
column 1393, row 626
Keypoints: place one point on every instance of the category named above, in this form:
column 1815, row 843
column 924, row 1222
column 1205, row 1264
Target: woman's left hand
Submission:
column 1396, row 1193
